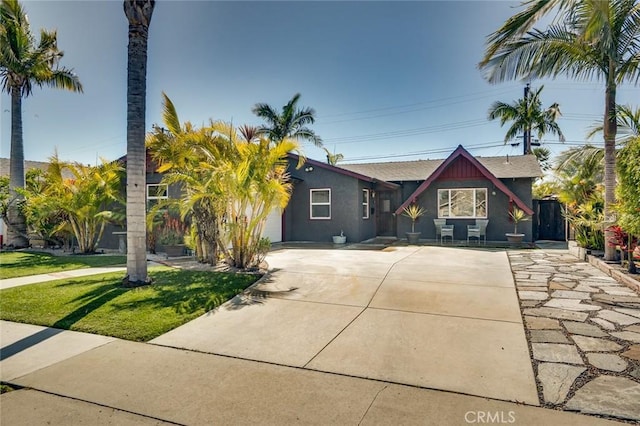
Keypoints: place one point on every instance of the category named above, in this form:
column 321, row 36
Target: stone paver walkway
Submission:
column 584, row 334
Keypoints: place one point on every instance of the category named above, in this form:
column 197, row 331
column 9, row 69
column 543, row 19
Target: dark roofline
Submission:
column 336, row 169
column 461, row 152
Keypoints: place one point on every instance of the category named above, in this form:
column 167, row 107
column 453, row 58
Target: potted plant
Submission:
column 171, row 235
column 516, row 216
column 413, row 212
column 340, row 239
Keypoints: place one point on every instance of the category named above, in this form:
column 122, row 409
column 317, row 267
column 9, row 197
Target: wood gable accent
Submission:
column 460, row 163
column 460, row 169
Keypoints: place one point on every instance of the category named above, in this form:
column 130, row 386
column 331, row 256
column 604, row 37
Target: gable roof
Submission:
column 343, row 171
column 28, row 165
column 460, row 152
column 503, row 167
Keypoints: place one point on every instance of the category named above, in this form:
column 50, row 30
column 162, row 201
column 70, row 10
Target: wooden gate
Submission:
column 548, row 221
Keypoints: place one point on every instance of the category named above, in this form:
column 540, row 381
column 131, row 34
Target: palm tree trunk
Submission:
column 139, row 15
column 610, row 130
column 17, row 226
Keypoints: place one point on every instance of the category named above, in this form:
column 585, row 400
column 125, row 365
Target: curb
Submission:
column 619, row 276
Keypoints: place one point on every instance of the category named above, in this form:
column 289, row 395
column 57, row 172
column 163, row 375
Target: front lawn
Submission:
column 99, row 304
column 22, row 263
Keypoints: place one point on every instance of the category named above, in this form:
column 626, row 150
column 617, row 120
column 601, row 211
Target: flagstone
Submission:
column 570, row 294
column 618, row 318
column 556, row 313
column 556, row 380
column 571, row 304
column 632, row 352
column 604, row 323
column 627, row 335
column 548, row 336
column 609, row 362
column 620, row 301
column 554, row 352
column 627, row 311
column 608, row 395
column 634, row 328
column 587, row 288
column 618, row 291
column 557, row 286
column 541, row 323
column 533, row 295
column 593, row 344
column 583, row 329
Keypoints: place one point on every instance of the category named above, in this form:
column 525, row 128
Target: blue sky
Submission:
column 388, row 80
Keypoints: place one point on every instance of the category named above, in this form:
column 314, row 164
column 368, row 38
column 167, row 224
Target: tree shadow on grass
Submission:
column 190, row 291
column 94, row 299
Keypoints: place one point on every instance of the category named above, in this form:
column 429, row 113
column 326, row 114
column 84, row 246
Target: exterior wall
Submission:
column 346, row 207
column 109, row 240
column 497, row 210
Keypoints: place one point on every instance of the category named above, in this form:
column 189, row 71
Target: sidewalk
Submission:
column 135, row 383
column 32, row 279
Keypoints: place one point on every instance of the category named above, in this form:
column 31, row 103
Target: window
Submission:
column 158, row 191
column 320, row 200
column 462, row 203
column 365, row 204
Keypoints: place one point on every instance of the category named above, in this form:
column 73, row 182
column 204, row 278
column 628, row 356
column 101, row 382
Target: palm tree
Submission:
column 590, row 39
column 527, row 116
column 291, row 123
column 334, row 158
column 628, row 123
column 138, row 14
column 23, row 64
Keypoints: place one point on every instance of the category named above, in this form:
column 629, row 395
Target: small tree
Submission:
column 81, row 203
column 628, row 192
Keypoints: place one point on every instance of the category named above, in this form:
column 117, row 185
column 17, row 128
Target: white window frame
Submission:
column 475, row 192
column 311, row 203
column 155, row 197
column 365, row 203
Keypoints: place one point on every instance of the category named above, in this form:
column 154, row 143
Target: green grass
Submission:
column 20, row 263
column 99, row 304
column 5, row 388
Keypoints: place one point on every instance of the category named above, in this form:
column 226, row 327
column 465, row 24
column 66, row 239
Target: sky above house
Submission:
column 388, row 80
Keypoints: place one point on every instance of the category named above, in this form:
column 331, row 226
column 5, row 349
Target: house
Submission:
column 367, row 200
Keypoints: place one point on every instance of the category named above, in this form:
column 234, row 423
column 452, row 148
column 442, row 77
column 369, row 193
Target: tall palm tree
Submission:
column 291, row 123
column 23, row 64
column 138, row 13
column 628, row 130
column 589, row 38
column 526, row 116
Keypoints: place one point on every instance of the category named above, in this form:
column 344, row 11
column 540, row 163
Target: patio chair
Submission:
column 446, row 231
column 482, row 224
column 473, row 231
column 439, row 223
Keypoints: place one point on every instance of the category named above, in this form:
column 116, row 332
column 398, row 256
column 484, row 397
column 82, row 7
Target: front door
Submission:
column 385, row 220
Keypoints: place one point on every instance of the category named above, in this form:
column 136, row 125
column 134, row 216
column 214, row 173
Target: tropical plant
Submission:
column 173, row 229
column 23, row 64
column 81, row 205
column 231, row 181
column 413, row 212
column 290, row 123
column 586, row 220
column 516, row 215
column 579, row 171
column 628, row 190
column 138, row 13
column 527, row 116
column 333, row 158
column 587, row 39
column 627, row 244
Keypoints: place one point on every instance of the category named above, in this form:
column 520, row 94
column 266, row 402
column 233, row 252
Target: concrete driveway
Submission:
column 434, row 317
